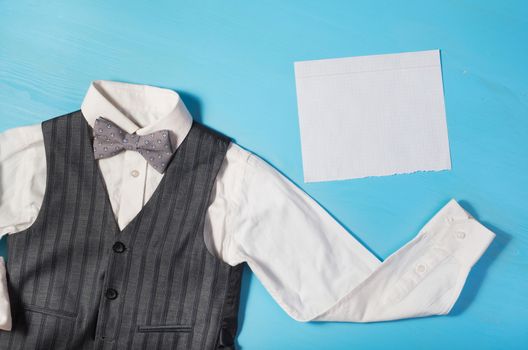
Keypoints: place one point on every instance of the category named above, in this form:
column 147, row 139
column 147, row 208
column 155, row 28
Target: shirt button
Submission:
column 134, row 173
column 118, row 247
column 111, row 293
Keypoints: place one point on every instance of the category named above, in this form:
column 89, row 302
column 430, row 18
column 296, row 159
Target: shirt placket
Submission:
column 133, row 187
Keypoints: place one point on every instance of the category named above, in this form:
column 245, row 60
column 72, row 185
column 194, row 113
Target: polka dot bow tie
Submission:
column 110, row 139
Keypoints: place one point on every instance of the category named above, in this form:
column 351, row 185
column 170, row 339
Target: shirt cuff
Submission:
column 450, row 234
column 457, row 232
column 5, row 309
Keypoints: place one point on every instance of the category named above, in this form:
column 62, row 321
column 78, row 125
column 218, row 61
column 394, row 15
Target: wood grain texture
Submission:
column 233, row 63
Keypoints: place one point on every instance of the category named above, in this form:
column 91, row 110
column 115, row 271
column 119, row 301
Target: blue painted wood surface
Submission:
column 233, row 63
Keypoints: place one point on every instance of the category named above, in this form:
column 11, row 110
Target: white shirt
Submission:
column 309, row 263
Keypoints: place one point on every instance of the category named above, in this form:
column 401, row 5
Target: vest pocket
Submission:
column 182, row 328
column 48, row 311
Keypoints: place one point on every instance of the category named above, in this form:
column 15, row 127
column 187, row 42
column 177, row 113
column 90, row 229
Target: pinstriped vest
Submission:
column 76, row 281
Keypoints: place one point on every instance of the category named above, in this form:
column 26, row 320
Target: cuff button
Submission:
column 421, row 268
column 460, row 234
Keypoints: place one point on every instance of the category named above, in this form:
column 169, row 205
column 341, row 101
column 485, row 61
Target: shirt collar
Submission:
column 138, row 108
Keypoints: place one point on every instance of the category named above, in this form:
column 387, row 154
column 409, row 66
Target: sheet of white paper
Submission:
column 372, row 116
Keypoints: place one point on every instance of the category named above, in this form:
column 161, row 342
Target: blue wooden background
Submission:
column 233, row 63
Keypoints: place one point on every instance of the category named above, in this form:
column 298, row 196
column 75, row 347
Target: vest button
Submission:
column 118, row 247
column 111, row 293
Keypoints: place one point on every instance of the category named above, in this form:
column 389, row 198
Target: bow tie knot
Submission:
column 110, row 139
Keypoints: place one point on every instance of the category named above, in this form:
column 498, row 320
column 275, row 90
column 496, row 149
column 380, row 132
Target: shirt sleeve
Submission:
column 22, row 177
column 22, row 184
column 317, row 271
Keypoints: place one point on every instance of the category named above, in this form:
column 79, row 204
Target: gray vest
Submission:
column 76, row 281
